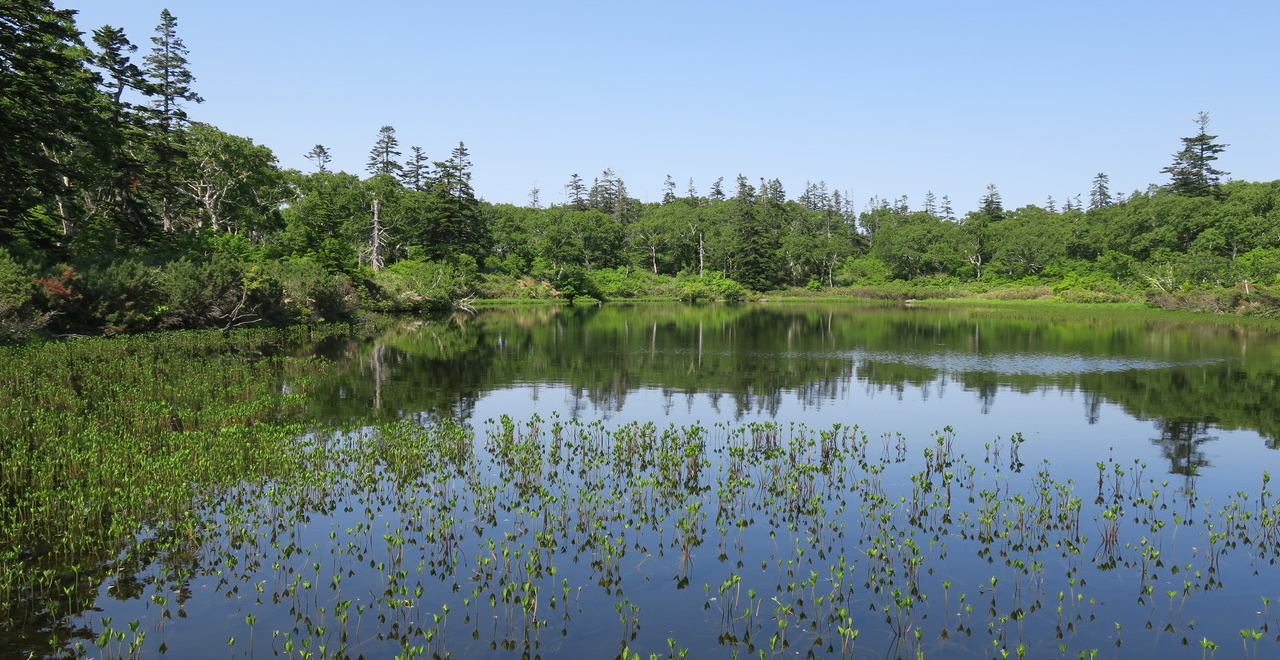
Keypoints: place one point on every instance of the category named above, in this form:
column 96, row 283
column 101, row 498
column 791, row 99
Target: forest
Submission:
column 120, row 212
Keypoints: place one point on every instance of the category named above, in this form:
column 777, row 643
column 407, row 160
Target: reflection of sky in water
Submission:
column 1031, row 364
column 1066, row 426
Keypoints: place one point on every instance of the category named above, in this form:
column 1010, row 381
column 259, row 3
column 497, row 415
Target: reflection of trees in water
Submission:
column 1180, row 441
column 987, row 394
column 749, row 360
column 1092, row 406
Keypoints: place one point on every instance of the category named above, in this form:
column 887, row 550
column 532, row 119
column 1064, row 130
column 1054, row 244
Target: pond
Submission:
column 800, row 480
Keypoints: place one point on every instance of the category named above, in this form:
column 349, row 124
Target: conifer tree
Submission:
column 382, row 157
column 1099, row 193
column 576, row 191
column 48, row 108
column 416, row 174
column 119, row 193
column 1192, row 171
column 991, row 204
column 170, row 83
column 319, row 155
column 170, row 78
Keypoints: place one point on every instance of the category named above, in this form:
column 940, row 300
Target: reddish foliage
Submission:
column 59, row 288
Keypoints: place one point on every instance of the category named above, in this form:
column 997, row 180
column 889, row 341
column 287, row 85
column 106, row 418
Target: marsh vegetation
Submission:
column 677, row 481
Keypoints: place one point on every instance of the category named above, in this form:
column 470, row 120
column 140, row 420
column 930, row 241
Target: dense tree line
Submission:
column 119, row 211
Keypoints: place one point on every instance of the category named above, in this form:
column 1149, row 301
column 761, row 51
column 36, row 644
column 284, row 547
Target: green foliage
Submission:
column 1261, row 265
column 53, row 128
column 18, row 318
column 863, row 270
column 1192, row 172
column 574, row 282
column 220, row 292
column 311, row 293
column 122, row 296
column 726, row 289
column 414, row 285
column 711, row 286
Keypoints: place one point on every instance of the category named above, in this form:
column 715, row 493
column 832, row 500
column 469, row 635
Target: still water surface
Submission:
column 1189, row 399
column 911, row 534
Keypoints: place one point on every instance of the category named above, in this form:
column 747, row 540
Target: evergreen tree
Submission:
column 119, row 73
column 1192, row 171
column 930, row 203
column 119, row 192
column 319, row 155
column 170, row 84
column 456, row 223
column 717, row 190
column 1099, row 194
column 668, row 190
column 604, row 192
column 170, row 78
column 417, row 173
column 382, row 157
column 576, row 191
column 991, row 204
column 49, row 108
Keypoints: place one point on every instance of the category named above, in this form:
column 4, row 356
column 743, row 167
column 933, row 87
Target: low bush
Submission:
column 19, row 319
column 219, row 293
column 413, row 285
column 313, row 294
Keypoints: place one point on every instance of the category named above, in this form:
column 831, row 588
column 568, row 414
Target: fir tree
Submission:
column 382, row 158
column 170, row 78
column 1099, row 194
column 319, row 155
column 1192, row 171
column 416, row 174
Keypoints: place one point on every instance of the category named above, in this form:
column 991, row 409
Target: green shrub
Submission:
column 311, row 293
column 19, row 318
column 414, row 285
column 693, row 291
column 122, row 296
column 219, row 293
column 863, row 271
column 727, row 289
column 498, row 286
column 574, row 283
column 711, row 286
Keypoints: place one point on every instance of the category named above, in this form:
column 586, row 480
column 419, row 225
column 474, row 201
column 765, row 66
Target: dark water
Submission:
column 1013, row 486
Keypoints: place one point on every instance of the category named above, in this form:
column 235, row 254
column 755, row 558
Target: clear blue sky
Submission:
column 883, row 98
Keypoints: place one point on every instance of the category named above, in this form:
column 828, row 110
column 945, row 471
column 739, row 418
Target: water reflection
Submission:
column 877, row 366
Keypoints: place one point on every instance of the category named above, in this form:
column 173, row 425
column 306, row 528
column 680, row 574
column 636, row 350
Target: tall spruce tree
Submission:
column 170, row 83
column 119, row 73
column 1192, row 171
column 668, row 190
column 457, row 226
column 382, row 157
column 1100, row 193
column 991, row 205
column 576, row 193
column 170, row 78
column 416, row 174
